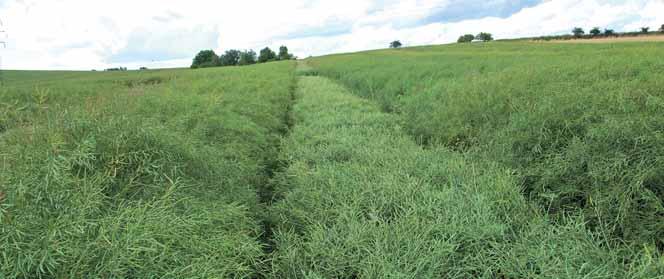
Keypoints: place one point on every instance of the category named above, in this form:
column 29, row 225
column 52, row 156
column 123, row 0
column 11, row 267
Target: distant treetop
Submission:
column 395, row 44
column 466, row 38
column 234, row 57
column 205, row 58
column 485, row 37
column 578, row 32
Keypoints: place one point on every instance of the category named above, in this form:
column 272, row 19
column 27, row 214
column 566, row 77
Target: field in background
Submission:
column 138, row 174
column 650, row 38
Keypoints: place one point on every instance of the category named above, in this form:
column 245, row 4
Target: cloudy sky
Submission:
column 87, row 34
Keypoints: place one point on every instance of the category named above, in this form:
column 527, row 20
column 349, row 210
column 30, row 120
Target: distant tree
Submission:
column 266, row 55
column 230, row 58
column 661, row 29
column 645, row 29
column 143, row 68
column 466, row 38
column 395, row 44
column 283, row 54
column 247, row 57
column 609, row 32
column 578, row 32
column 485, row 37
column 595, row 31
column 205, row 58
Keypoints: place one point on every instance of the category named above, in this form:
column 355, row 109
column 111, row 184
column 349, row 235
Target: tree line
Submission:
column 234, row 57
column 482, row 36
column 597, row 32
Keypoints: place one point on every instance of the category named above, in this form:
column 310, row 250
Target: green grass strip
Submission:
column 360, row 199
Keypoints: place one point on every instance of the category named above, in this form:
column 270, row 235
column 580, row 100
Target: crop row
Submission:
column 360, row 199
column 580, row 126
column 138, row 175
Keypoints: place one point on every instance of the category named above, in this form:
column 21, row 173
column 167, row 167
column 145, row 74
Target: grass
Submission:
column 360, row 199
column 138, row 174
column 497, row 160
column 580, row 126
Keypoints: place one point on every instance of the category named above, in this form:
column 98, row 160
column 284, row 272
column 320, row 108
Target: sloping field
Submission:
column 137, row 174
column 498, row 160
column 579, row 127
column 360, row 199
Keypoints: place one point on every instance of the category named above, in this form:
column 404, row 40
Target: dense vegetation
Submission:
column 497, row 160
column 579, row 127
column 360, row 199
column 138, row 174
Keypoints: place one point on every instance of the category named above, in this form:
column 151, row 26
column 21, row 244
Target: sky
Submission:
column 92, row 34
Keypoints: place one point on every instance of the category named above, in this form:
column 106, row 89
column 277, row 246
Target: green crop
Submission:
column 581, row 125
column 360, row 199
column 138, row 174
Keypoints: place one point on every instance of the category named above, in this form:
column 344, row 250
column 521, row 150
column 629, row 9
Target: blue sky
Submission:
column 87, row 34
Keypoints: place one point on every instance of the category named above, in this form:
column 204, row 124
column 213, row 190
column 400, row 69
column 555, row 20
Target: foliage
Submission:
column 234, row 57
column 595, row 31
column 609, row 32
column 578, row 32
column 645, row 30
column 230, row 58
column 100, row 179
column 283, row 54
column 466, row 38
column 204, row 59
column 266, row 55
column 485, row 37
column 395, row 44
column 247, row 57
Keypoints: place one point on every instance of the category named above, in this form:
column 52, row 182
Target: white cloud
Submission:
column 80, row 34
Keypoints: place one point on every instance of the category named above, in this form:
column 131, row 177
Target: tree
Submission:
column 595, row 31
column 466, row 38
column 283, row 54
column 645, row 29
column 205, row 58
column 661, row 29
column 485, row 37
column 395, row 44
column 609, row 32
column 578, row 32
column 266, row 55
column 247, row 58
column 230, row 58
